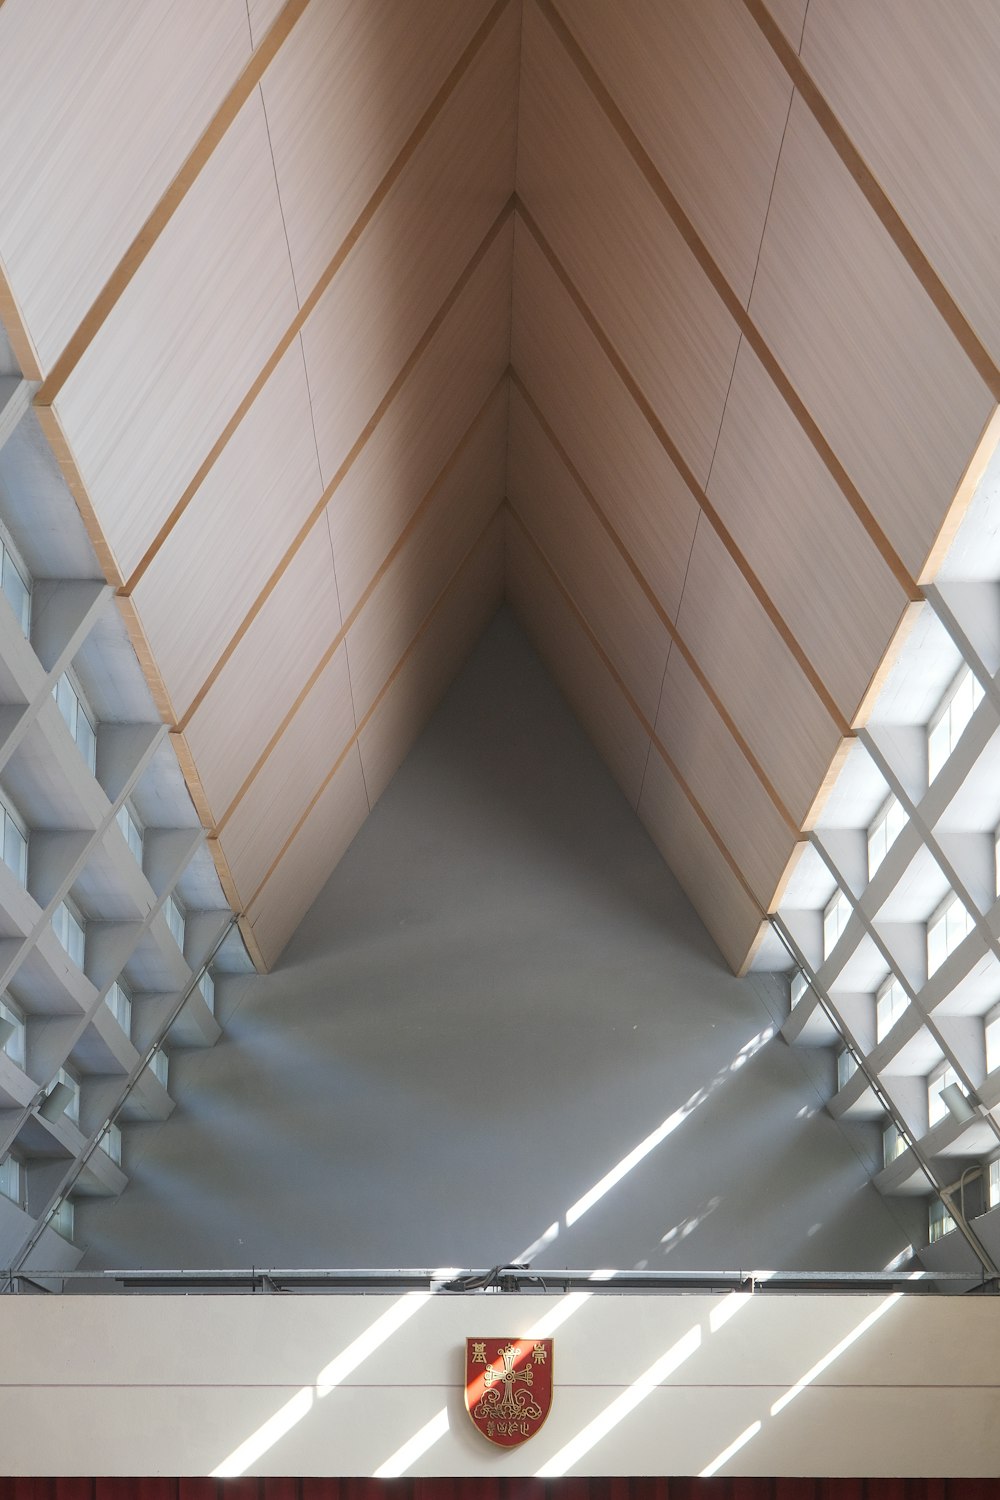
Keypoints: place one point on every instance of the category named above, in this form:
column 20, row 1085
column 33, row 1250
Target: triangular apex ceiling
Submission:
column 351, row 318
column 501, row 1034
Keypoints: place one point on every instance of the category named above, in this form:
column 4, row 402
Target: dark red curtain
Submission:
column 499, row 1489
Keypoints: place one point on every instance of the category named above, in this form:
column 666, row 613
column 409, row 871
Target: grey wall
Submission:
column 500, row 992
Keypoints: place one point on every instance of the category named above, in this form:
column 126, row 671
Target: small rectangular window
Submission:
column 15, row 581
column 119, row 1003
column 206, row 985
column 992, row 1030
column 891, row 1002
column 940, row 1221
column 847, row 1066
column 11, row 1180
column 111, row 1144
column 884, row 832
column 72, row 1110
column 78, row 717
column 12, row 1032
column 938, row 1080
column 994, row 1184
column 70, row 928
column 159, row 1065
column 14, row 839
column 835, row 919
column 893, row 1143
column 948, row 723
column 174, row 913
column 947, row 928
column 131, row 831
column 62, row 1220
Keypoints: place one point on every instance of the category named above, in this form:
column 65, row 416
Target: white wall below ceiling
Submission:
column 358, row 1385
column 501, row 1022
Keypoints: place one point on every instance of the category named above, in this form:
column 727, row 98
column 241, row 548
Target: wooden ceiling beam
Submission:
column 684, row 470
column 157, row 221
column 731, row 301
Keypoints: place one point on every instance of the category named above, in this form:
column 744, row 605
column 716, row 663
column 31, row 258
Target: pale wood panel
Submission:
column 404, row 595
column 803, row 541
column 790, row 16
column 618, row 456
column 914, row 83
column 621, row 249
column 261, row 14
column 102, row 103
column 428, row 669
column 276, row 800
column 415, row 437
column 578, row 671
column 314, row 853
column 342, row 97
column 265, row 674
column 423, row 235
column 863, row 345
column 758, row 680
column 710, row 885
column 722, row 781
column 708, row 100
column 183, row 344
column 223, row 549
column 594, row 574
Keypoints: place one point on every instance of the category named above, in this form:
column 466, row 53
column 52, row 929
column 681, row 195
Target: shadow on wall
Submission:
column 500, row 1026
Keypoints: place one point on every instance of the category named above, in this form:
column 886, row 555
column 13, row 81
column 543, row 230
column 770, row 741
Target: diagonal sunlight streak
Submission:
column 299, row 1405
column 835, row 1353
column 620, row 1407
column 438, row 1425
column 728, row 1453
column 655, row 1137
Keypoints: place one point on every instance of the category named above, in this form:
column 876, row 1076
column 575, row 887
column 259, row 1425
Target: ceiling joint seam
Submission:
column 683, row 469
column 415, row 640
column 169, row 202
column 727, row 295
column 352, row 455
column 308, row 307
column 877, row 198
column 647, row 728
column 423, row 507
column 653, row 599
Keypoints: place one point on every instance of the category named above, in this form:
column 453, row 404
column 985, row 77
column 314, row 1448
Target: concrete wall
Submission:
column 882, row 1385
column 499, row 996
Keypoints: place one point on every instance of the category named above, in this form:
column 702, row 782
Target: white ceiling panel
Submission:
column 91, row 134
column 184, row 343
column 620, row 248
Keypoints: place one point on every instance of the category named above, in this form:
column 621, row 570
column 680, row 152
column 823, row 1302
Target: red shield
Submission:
column 508, row 1387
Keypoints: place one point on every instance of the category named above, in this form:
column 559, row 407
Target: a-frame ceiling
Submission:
column 674, row 323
